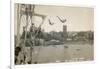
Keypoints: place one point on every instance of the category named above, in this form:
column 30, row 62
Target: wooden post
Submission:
column 18, row 23
column 31, row 48
column 19, row 15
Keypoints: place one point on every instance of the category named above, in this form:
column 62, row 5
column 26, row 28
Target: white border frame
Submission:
column 59, row 3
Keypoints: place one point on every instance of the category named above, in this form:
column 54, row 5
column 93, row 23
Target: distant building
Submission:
column 64, row 28
column 65, row 32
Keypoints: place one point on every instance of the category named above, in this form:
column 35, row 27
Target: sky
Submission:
column 78, row 18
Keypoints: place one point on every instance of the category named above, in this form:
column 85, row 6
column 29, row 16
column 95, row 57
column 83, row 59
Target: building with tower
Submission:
column 64, row 32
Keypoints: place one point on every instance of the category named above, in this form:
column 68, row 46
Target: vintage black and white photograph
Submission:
column 52, row 34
